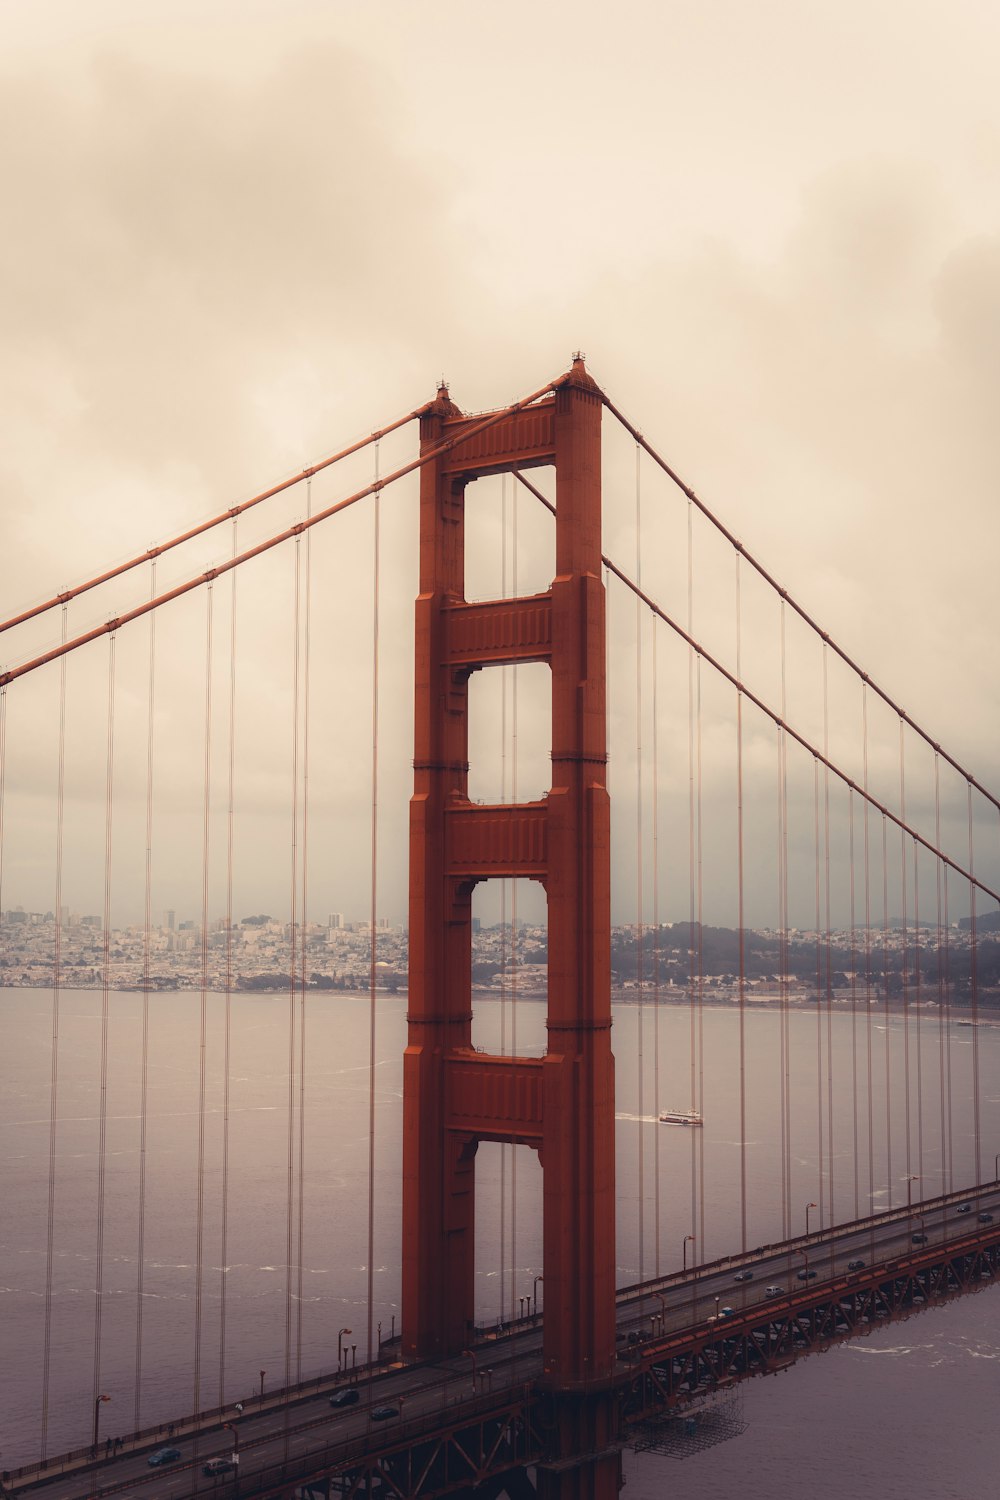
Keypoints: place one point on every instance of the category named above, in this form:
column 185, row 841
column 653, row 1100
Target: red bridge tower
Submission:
column 454, row 1097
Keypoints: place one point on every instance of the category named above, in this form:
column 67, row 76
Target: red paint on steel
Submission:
column 565, row 1104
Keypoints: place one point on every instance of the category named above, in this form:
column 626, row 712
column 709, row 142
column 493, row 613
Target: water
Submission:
column 898, row 1412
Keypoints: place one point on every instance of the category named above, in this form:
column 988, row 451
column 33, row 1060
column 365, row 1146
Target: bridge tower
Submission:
column 562, row 1104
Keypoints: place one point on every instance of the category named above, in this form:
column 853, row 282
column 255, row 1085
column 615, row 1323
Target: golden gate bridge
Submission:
column 761, row 766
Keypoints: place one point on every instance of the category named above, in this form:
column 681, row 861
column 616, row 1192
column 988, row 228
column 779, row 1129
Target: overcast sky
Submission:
column 239, row 234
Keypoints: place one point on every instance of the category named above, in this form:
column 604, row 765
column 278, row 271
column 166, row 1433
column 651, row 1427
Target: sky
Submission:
column 239, row 235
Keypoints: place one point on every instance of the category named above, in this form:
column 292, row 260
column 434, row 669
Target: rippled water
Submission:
column 903, row 1411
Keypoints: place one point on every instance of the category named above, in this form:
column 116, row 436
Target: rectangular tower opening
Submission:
column 510, row 547
column 510, row 736
column 508, row 1239
column 510, row 951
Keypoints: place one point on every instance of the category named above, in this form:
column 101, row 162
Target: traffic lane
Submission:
column 694, row 1301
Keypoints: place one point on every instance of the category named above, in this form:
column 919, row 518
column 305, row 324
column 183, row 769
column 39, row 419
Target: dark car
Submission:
column 918, row 1239
column 855, row 1265
column 964, row 1208
column 163, row 1456
column 743, row 1276
column 348, row 1397
column 985, row 1218
column 217, row 1466
column 727, row 1312
column 383, row 1413
column 806, row 1274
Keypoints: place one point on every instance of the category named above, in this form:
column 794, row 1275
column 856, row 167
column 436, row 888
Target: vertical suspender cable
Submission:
column 102, row 1136
column 944, row 1026
column 700, row 1134
column 146, row 966
column 888, row 1008
column 376, row 540
column 293, row 968
column 304, row 943
column 786, row 1061
column 505, row 956
column 854, row 1009
column 639, row 976
column 692, row 886
column 514, row 949
column 904, row 975
column 206, row 830
column 54, row 1060
column 820, row 1157
column 917, row 1008
column 948, row 994
column 868, row 949
column 974, row 990
column 656, row 954
column 740, row 920
column 228, row 1017
column 829, row 938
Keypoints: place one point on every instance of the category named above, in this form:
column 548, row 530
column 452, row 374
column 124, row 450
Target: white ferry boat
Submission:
column 681, row 1117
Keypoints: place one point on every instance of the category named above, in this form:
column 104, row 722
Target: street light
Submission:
column 340, row 1345
column 534, row 1289
column 996, row 1168
column 911, row 1178
column 472, row 1356
column 228, row 1426
column 808, row 1207
column 97, row 1413
column 262, row 1374
column 688, row 1239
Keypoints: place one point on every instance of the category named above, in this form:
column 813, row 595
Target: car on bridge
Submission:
column 964, row 1208
column 918, row 1239
column 383, row 1413
column 774, row 1291
column 855, row 1265
column 745, row 1275
column 217, row 1466
column 349, row 1397
column 985, row 1218
column 163, row 1456
column 807, row 1274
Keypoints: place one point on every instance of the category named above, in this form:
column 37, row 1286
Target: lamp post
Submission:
column 472, row 1356
column 340, row 1346
column 996, row 1168
column 911, row 1178
column 97, row 1413
column 229, row 1426
column 534, row 1293
column 688, row 1240
column 808, row 1207
column 262, row 1374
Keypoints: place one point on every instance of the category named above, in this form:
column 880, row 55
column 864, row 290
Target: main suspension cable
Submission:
column 777, row 718
column 235, row 510
column 110, row 626
column 798, row 608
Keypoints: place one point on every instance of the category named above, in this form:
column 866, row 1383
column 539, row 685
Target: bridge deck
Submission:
column 457, row 1421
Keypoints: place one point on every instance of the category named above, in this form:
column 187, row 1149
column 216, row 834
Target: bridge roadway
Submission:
column 298, row 1433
